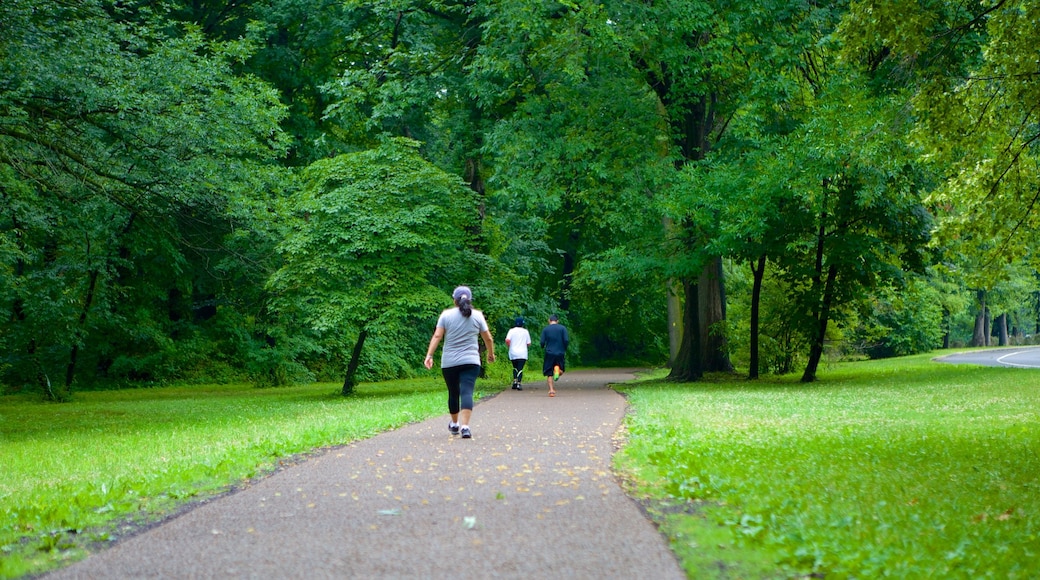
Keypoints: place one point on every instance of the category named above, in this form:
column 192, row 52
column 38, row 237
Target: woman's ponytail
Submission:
column 463, row 297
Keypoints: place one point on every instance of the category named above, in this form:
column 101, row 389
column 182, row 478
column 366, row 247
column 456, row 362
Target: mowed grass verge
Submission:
column 82, row 473
column 903, row 468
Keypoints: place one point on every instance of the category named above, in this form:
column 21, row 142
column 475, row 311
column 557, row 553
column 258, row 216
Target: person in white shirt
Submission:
column 518, row 339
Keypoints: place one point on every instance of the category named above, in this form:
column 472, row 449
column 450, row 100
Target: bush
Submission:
column 900, row 323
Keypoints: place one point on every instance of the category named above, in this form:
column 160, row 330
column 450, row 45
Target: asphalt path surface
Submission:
column 531, row 495
column 1027, row 357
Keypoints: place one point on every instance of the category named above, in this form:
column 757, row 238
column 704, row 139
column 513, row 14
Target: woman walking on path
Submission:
column 518, row 339
column 460, row 358
column 554, row 340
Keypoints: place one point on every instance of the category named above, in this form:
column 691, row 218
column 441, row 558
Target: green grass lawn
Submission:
column 75, row 474
column 902, row 468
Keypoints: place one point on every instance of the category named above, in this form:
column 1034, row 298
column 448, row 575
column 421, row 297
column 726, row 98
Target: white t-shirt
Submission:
column 518, row 339
column 460, row 337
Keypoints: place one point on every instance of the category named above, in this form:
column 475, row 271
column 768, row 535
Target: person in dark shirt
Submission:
column 554, row 341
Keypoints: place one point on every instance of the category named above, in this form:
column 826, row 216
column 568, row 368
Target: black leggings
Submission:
column 518, row 368
column 461, row 381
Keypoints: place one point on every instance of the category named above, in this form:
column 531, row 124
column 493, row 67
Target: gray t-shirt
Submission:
column 460, row 337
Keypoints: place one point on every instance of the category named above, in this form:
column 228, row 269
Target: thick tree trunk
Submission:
column 1002, row 330
column 816, row 350
column 355, row 360
column 693, row 122
column 687, row 365
column 758, row 271
column 712, row 303
column 978, row 336
column 475, row 178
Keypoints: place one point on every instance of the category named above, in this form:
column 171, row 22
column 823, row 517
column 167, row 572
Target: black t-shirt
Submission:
column 555, row 339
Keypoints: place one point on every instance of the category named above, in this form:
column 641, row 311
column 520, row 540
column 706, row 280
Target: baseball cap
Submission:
column 460, row 292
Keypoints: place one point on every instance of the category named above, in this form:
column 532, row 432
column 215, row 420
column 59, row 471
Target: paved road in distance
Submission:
column 1020, row 357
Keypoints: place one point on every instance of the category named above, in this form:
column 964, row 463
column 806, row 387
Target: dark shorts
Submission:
column 552, row 360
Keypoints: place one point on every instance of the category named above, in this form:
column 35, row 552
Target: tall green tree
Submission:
column 714, row 66
column 856, row 209
column 680, row 50
column 376, row 239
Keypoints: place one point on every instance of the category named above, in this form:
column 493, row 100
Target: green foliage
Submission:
column 374, row 244
column 975, row 88
column 903, row 468
column 900, row 323
column 128, row 151
column 782, row 348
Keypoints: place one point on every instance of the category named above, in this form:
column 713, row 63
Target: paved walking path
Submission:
column 530, row 495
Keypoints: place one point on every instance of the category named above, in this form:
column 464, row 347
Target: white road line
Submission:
column 1011, row 364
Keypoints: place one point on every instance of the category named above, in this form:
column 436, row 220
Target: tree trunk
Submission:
column 475, row 178
column 816, row 350
column 70, row 370
column 978, row 337
column 712, row 304
column 355, row 360
column 758, row 271
column 687, row 366
column 567, row 278
column 675, row 323
column 819, row 308
column 1002, row 330
column 692, row 121
column 674, row 303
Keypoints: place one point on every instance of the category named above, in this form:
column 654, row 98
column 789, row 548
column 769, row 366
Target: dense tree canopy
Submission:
column 285, row 190
column 131, row 151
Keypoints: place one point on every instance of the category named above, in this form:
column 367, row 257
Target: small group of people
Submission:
column 554, row 341
column 459, row 328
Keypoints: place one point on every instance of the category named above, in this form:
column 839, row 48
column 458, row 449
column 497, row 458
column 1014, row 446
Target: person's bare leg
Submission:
column 464, row 416
column 454, row 417
column 552, row 385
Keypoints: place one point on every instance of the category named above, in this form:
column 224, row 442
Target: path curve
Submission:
column 1026, row 357
column 532, row 494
